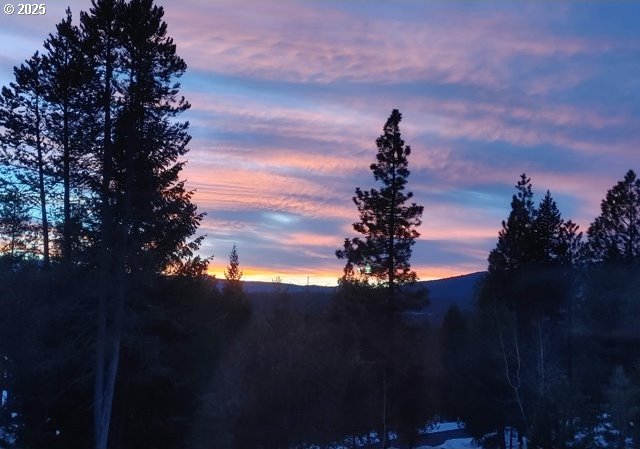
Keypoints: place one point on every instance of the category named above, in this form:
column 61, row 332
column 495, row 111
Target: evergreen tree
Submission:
column 92, row 127
column 101, row 40
column 150, row 142
column 513, row 249
column 233, row 275
column 615, row 235
column 387, row 221
column 15, row 222
column 556, row 247
column 71, row 126
column 610, row 286
column 235, row 301
column 532, row 244
column 527, row 297
column 147, row 215
column 531, row 268
column 387, row 225
column 22, row 114
column 571, row 245
column 546, row 231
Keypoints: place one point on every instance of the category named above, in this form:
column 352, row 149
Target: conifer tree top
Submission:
column 614, row 236
column 388, row 221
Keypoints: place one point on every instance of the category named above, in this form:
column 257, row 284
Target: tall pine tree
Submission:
column 94, row 124
column 24, row 146
column 513, row 249
column 526, row 300
column 388, row 221
column 101, row 29
column 611, row 286
column 147, row 215
column 71, row 127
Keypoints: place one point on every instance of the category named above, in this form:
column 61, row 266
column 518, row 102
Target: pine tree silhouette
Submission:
column 388, row 221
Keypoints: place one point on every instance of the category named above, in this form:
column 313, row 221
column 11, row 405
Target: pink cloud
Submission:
column 440, row 271
column 303, row 42
column 320, row 122
column 241, row 189
column 353, row 128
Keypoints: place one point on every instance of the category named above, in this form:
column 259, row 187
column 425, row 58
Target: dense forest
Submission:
column 112, row 334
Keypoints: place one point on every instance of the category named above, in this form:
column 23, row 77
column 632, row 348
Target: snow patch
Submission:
column 456, row 443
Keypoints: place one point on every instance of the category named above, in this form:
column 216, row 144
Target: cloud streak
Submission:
column 313, row 42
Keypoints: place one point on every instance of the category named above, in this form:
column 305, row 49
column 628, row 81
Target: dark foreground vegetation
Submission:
column 550, row 348
column 113, row 335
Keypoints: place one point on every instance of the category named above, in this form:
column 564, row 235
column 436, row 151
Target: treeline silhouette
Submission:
column 549, row 353
column 551, row 349
column 95, row 218
column 113, row 335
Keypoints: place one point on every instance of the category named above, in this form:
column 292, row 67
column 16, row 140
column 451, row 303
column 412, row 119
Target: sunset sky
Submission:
column 288, row 98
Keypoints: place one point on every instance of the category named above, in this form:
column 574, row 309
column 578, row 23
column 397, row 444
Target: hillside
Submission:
column 443, row 293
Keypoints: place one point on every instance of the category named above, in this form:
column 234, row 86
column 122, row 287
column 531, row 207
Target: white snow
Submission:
column 444, row 426
column 456, row 443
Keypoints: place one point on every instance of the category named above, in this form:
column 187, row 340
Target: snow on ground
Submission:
column 457, row 443
column 440, row 426
column 444, row 426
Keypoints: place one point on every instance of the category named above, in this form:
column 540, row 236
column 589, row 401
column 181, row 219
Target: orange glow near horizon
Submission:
column 327, row 278
column 260, row 274
column 319, row 276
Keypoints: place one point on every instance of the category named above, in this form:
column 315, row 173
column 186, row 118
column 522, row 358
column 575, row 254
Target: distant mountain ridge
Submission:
column 270, row 287
column 458, row 290
column 443, row 293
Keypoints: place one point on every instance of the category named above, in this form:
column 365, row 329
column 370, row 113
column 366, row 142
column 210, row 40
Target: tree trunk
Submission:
column 102, row 415
column 98, row 393
column 112, row 362
column 541, row 368
column 513, row 380
column 384, row 408
column 570, row 332
column 66, row 181
column 41, row 186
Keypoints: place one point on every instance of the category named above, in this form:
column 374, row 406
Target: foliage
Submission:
column 615, row 235
column 233, row 275
column 90, row 130
column 237, row 301
column 387, row 221
column 16, row 227
column 526, row 299
column 23, row 143
column 71, row 130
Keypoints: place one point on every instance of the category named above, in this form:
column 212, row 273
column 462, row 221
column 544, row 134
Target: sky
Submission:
column 288, row 98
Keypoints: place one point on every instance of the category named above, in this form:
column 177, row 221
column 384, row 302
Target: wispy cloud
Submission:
column 314, row 42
